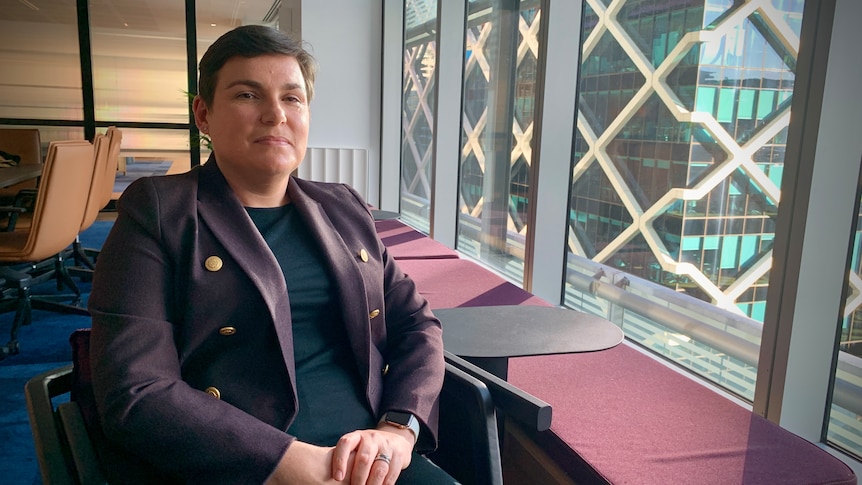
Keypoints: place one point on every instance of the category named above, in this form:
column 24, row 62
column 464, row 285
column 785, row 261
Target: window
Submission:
column 419, row 93
column 500, row 65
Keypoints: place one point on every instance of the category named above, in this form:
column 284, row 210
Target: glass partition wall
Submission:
column 73, row 68
column 41, row 74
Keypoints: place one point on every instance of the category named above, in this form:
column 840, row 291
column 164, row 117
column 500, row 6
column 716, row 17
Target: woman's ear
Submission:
column 201, row 111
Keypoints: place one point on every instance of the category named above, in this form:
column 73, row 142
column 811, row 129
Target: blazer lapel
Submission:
column 345, row 272
column 227, row 219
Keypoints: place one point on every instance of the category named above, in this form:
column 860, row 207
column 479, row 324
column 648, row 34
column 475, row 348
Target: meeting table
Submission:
column 488, row 336
column 19, row 173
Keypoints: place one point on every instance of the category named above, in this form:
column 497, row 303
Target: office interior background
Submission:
column 689, row 169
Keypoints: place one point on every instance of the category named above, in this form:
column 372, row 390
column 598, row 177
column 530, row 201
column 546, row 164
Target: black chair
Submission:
column 469, row 446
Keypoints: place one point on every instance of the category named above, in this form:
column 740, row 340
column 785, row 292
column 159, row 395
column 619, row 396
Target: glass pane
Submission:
column 845, row 417
column 41, row 74
column 139, row 61
column 676, row 180
column 502, row 56
column 419, row 94
column 151, row 152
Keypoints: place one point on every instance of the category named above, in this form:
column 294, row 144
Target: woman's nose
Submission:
column 273, row 113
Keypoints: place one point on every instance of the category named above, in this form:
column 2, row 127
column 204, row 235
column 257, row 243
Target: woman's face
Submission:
column 258, row 120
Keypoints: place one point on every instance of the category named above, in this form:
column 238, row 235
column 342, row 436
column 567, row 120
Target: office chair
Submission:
column 100, row 196
column 64, row 435
column 57, row 214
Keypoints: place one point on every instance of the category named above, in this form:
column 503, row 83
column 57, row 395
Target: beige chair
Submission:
column 107, row 155
column 58, row 211
column 25, row 143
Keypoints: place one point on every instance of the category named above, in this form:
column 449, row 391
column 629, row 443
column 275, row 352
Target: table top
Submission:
column 382, row 215
column 19, row 173
column 522, row 330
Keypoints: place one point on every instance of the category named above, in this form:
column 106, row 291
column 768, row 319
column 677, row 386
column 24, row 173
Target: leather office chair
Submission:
column 26, row 144
column 58, row 211
column 64, row 435
column 103, row 187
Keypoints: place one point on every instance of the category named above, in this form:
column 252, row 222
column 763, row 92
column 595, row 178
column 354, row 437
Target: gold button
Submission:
column 385, row 369
column 214, row 392
column 213, row 263
column 227, row 331
column 363, row 255
column 374, row 313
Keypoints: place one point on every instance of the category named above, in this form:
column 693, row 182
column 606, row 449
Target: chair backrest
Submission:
column 469, row 445
column 60, row 203
column 26, row 143
column 91, row 211
column 115, row 135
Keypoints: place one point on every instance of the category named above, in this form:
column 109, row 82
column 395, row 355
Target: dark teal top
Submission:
column 331, row 397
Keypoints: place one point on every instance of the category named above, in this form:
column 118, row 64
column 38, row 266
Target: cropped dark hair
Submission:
column 252, row 41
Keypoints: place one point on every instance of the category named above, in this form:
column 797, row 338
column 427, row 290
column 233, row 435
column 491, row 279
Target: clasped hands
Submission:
column 361, row 457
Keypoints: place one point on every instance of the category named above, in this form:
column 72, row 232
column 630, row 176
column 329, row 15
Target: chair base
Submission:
column 17, row 283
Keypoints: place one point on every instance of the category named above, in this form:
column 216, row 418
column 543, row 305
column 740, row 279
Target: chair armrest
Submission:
column 513, row 401
column 81, row 448
column 46, row 434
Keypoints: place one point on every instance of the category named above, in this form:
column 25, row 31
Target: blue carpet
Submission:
column 44, row 346
column 138, row 169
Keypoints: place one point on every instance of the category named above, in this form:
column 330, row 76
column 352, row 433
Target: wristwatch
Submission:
column 402, row 420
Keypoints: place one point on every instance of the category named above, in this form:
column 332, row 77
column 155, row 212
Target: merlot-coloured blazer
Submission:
column 192, row 349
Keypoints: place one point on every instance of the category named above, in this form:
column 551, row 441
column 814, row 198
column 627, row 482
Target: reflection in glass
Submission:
column 502, row 57
column 139, row 62
column 419, row 94
column 41, row 73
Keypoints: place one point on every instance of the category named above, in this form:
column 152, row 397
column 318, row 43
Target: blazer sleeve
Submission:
column 144, row 404
column 413, row 349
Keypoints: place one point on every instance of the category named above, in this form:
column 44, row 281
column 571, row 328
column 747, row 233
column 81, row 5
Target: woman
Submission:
column 249, row 326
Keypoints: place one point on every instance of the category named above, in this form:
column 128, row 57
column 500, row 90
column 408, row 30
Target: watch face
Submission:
column 398, row 417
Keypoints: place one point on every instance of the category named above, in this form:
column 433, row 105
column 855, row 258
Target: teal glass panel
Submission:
column 725, row 105
column 691, row 243
column 711, row 242
column 745, row 108
column 765, row 103
column 729, row 248
column 749, row 248
column 758, row 310
column 705, row 99
column 775, row 174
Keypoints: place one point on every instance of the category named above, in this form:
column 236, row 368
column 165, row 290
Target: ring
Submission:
column 383, row 457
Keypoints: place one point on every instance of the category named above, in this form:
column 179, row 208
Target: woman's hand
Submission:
column 372, row 456
column 303, row 464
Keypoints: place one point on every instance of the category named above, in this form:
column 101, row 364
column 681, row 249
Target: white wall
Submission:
column 345, row 38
